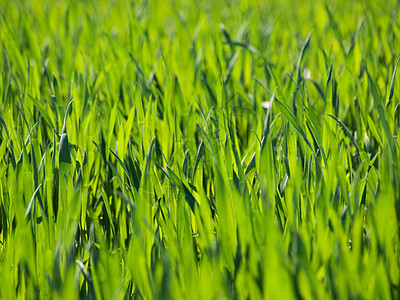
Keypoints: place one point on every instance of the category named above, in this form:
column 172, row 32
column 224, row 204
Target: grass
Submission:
column 199, row 149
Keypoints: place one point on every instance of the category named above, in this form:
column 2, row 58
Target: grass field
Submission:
column 199, row 149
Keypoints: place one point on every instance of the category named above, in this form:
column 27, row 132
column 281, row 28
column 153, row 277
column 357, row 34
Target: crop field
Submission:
column 199, row 149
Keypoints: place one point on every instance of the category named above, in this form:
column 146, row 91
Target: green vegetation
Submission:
column 199, row 149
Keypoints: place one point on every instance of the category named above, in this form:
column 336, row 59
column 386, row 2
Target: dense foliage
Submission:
column 199, row 149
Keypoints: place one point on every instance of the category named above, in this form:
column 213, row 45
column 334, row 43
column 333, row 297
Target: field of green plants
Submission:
column 199, row 149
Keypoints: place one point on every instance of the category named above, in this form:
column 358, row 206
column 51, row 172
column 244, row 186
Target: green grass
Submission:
column 199, row 149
